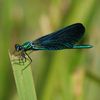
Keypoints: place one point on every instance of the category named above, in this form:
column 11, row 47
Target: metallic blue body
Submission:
column 65, row 38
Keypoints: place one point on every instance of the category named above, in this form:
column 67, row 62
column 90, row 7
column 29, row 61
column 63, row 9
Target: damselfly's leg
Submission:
column 29, row 59
column 21, row 58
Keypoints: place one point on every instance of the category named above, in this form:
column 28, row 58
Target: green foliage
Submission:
column 58, row 75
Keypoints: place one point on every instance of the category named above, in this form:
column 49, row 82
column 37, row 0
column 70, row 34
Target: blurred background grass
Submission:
column 58, row 75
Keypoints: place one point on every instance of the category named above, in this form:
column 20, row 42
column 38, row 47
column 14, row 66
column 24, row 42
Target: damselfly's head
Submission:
column 18, row 47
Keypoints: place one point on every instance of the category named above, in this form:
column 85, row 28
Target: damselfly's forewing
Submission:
column 61, row 39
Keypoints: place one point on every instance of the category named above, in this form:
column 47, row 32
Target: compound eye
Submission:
column 18, row 47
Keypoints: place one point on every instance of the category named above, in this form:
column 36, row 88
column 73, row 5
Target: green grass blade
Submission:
column 23, row 79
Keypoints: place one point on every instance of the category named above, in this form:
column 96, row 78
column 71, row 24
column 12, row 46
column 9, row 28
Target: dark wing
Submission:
column 61, row 39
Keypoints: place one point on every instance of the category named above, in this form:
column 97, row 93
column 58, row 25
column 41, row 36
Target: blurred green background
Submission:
column 58, row 75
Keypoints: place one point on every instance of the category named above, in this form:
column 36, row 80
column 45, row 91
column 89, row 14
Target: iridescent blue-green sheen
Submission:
column 65, row 38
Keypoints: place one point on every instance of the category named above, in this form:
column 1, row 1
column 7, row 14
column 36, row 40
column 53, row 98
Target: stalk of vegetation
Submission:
column 23, row 79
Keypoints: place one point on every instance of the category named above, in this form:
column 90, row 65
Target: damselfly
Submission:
column 65, row 38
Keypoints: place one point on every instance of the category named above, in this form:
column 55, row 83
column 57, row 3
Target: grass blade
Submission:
column 23, row 79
